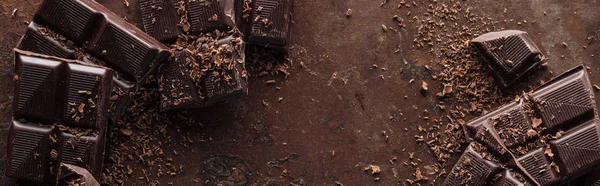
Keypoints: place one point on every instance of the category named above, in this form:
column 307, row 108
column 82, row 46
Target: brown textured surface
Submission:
column 316, row 117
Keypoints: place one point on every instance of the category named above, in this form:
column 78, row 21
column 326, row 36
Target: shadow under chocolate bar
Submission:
column 179, row 91
column 207, row 15
column 471, row 169
column 107, row 36
column 271, row 23
column 40, row 39
column 62, row 94
column 509, row 54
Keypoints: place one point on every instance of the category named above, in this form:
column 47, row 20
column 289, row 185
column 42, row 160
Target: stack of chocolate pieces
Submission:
column 76, row 68
column 208, row 40
column 548, row 137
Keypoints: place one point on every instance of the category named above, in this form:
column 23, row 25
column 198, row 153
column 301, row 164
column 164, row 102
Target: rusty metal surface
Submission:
column 337, row 102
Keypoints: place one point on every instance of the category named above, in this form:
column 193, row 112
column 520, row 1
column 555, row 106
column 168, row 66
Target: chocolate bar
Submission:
column 510, row 121
column 508, row 54
column 565, row 101
column 538, row 166
column 186, row 85
column 40, row 39
column 271, row 23
column 74, row 175
column 471, row 169
column 208, row 15
column 160, row 19
column 107, row 36
column 55, row 100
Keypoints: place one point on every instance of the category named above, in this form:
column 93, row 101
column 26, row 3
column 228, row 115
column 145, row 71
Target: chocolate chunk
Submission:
column 160, row 19
column 184, row 87
column 207, row 15
column 488, row 136
column 32, row 153
column 578, row 149
column 271, row 23
column 74, row 175
column 538, row 166
column 38, row 40
column 509, row 54
column 471, row 169
column 83, row 151
column 121, row 45
column 508, row 179
column 506, row 119
column 566, row 100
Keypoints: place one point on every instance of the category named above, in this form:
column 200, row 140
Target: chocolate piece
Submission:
column 74, row 175
column 183, row 87
column 41, row 40
column 566, row 100
column 508, row 179
column 35, row 40
column 488, row 136
column 509, row 54
column 207, row 15
column 471, row 169
column 538, row 166
column 160, row 19
column 506, row 120
column 32, row 152
column 578, row 149
column 121, row 45
column 271, row 23
column 83, row 151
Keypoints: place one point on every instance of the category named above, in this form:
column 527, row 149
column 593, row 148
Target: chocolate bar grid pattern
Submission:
column 93, row 24
column 516, row 121
column 83, row 151
column 579, row 147
column 479, row 168
column 28, row 154
column 160, row 24
column 200, row 11
column 278, row 12
column 508, row 179
column 34, row 41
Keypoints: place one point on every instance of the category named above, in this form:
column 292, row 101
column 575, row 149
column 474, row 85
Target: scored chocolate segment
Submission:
column 505, row 119
column 471, row 169
column 488, row 136
column 160, row 19
column 509, row 54
column 538, row 166
column 178, row 91
column 35, row 40
column 37, row 88
column 32, row 152
column 121, row 45
column 566, row 100
column 508, row 179
column 218, row 90
column 83, row 151
column 578, row 149
column 271, row 23
column 207, row 15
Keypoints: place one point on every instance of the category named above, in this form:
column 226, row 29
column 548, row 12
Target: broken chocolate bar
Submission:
column 207, row 15
column 40, row 39
column 271, row 23
column 508, row 179
column 56, row 100
column 471, row 169
column 185, row 84
column 565, row 101
column 508, row 54
column 71, row 175
column 107, row 36
column 32, row 152
column 509, row 121
column 536, row 164
column 160, row 19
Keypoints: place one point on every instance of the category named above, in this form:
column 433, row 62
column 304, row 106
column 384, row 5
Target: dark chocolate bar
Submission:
column 488, row 136
column 107, row 36
column 508, row 179
column 565, row 101
column 506, row 119
column 471, row 169
column 32, row 152
column 271, row 23
column 207, row 15
column 578, row 149
column 73, row 175
column 536, row 164
column 40, row 39
column 180, row 91
column 509, row 54
column 160, row 19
